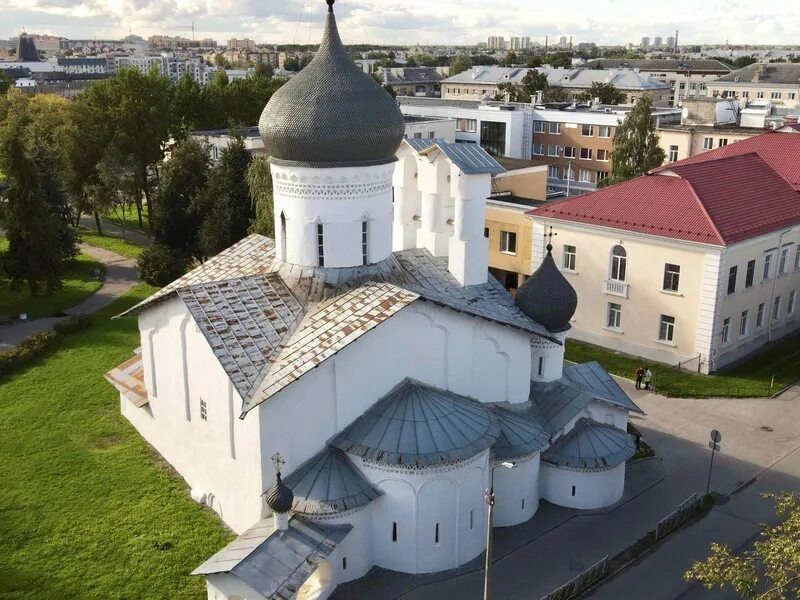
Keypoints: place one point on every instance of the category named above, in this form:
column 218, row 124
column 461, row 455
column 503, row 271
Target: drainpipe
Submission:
column 774, row 284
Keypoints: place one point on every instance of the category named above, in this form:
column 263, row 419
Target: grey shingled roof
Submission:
column 519, row 435
column 660, row 64
column 328, row 484
column 470, row 159
column 416, row 426
column 428, row 276
column 246, row 322
column 764, row 74
column 277, row 563
column 591, row 445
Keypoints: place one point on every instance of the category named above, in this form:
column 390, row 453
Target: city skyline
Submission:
column 614, row 22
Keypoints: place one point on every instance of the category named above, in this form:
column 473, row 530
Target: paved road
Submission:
column 112, row 229
column 121, row 275
column 678, row 429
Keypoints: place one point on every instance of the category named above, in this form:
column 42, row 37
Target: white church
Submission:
column 339, row 395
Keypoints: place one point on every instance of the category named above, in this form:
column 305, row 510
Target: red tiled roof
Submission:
column 716, row 202
column 780, row 150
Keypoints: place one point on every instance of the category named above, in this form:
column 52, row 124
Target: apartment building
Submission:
column 83, row 65
column 683, row 141
column 575, row 142
column 687, row 78
column 778, row 83
column 412, row 81
column 477, row 82
column 697, row 262
column 171, row 66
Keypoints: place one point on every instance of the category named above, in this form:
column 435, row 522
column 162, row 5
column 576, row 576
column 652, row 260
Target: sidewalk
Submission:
column 112, row 229
column 121, row 275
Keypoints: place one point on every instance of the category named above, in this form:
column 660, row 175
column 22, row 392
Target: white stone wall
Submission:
column 516, row 492
column 339, row 199
column 592, row 489
column 219, row 457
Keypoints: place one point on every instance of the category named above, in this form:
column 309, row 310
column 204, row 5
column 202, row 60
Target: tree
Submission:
column 259, row 182
column 606, row 92
column 509, row 60
column 555, row 94
column 187, row 107
column 5, row 83
column 770, row 570
column 263, row 69
column 744, row 61
column 459, row 64
column 635, row 150
column 225, row 205
column 557, row 59
column 183, row 178
column 160, row 265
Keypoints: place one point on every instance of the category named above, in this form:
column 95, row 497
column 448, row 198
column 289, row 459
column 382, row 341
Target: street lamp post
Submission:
column 490, row 502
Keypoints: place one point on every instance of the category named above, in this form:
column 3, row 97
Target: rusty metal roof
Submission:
column 128, row 378
column 246, row 322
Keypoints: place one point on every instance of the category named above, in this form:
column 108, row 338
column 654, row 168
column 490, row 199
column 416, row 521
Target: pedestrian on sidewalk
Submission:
column 647, row 378
column 639, row 376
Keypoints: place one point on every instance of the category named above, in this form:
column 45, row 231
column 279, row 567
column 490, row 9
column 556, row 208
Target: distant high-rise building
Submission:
column 241, row 44
column 645, row 42
column 671, row 43
column 562, row 41
column 26, row 49
column 519, row 43
column 657, row 42
column 496, row 42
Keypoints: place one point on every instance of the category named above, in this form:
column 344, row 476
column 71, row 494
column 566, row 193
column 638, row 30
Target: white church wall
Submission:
column 407, row 200
column 437, row 205
column 223, row 586
column 603, row 412
column 217, row 456
column 468, row 248
column 582, row 489
column 516, row 492
column 419, row 503
column 352, row 558
column 339, row 199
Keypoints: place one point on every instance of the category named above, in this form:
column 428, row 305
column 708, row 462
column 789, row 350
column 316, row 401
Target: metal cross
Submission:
column 278, row 462
column 550, row 235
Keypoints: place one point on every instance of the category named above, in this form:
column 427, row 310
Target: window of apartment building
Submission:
column 666, row 328
column 776, row 95
column 586, row 153
column 760, row 316
column 552, row 172
column 508, row 242
column 602, row 155
column 791, row 304
column 743, row 324
column 792, row 95
column 467, row 125
column 538, row 149
column 783, row 263
column 486, row 232
column 776, row 308
column 672, row 277
column 703, row 86
column 538, row 127
column 797, row 258
column 601, row 175
column 569, row 151
column 759, row 94
column 750, row 274
column 682, row 85
column 769, row 256
column 722, row 142
column 732, row 279
column 619, row 263
column 726, row 330
column 431, row 134
column 745, row 94
column 604, row 131
column 692, row 86
column 673, row 153
column 585, row 176
column 203, row 410
column 708, row 143
column 569, row 257
column 587, row 130
column 614, row 315
column 320, row 246
column 571, row 174
column 493, row 137
column 555, row 128
column 418, row 135
column 552, row 150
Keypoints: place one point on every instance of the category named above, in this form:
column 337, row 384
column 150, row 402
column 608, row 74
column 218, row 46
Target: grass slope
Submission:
column 131, row 220
column 114, row 244
column 77, row 287
column 750, row 379
column 85, row 509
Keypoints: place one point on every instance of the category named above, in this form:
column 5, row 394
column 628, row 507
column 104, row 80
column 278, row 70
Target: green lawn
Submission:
column 750, row 379
column 86, row 509
column 77, row 287
column 131, row 218
column 120, row 246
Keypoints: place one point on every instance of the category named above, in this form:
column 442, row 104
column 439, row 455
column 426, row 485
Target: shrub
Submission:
column 72, row 324
column 26, row 351
column 160, row 265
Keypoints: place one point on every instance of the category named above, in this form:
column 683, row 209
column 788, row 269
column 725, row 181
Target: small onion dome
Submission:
column 547, row 297
column 279, row 496
column 331, row 114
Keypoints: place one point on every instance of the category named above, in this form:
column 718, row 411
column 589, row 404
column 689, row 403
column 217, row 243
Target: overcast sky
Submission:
column 412, row 21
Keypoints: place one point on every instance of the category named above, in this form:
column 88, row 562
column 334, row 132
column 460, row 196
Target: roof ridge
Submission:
column 702, row 206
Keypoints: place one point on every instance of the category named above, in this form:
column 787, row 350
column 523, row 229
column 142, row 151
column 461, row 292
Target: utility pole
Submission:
column 490, row 502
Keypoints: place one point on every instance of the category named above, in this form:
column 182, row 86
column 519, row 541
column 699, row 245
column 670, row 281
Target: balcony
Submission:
column 612, row 287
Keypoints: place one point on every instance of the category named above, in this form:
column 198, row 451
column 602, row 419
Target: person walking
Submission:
column 639, row 376
column 648, row 376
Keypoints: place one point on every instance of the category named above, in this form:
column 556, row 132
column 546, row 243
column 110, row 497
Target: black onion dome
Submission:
column 331, row 114
column 547, row 297
column 279, row 496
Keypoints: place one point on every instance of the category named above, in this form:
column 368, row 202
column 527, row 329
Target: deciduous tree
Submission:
column 259, row 182
column 608, row 93
column 636, row 149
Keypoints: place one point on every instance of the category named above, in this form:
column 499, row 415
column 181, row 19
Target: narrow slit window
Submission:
column 203, row 410
column 436, row 534
column 471, row 518
column 573, row 490
column 523, row 504
column 344, row 563
column 365, row 242
column 320, row 246
column 283, row 236
column 540, row 370
column 394, row 532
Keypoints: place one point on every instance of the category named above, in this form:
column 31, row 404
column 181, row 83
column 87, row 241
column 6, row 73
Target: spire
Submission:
column 330, row 5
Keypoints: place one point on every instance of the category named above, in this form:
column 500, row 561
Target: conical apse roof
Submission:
column 331, row 114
